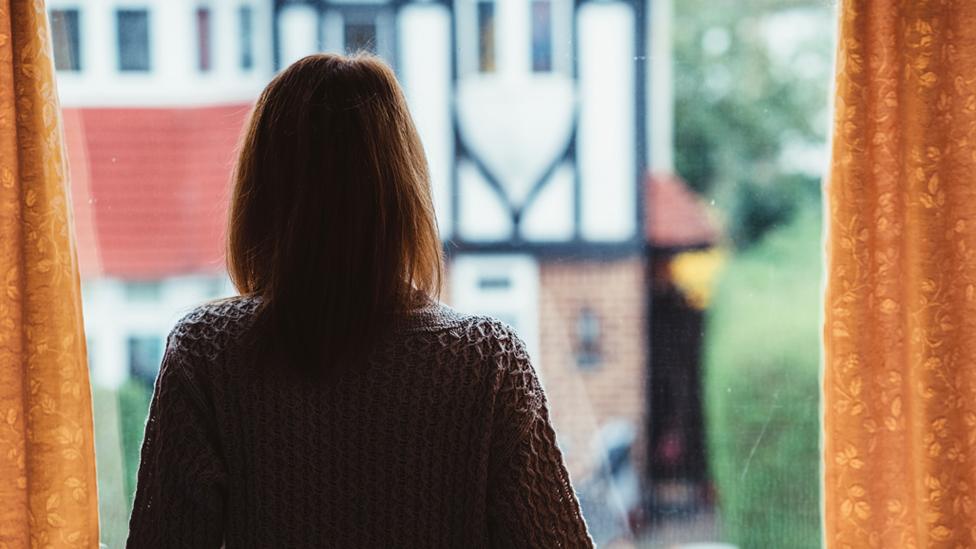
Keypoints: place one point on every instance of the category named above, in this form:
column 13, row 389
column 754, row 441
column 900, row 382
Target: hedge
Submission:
column 762, row 392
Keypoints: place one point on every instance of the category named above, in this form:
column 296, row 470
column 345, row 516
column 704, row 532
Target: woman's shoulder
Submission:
column 206, row 330
column 487, row 335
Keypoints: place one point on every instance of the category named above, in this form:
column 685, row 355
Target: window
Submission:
column 245, row 21
column 679, row 356
column 541, row 35
column 203, row 40
column 65, row 31
column 587, row 338
column 145, row 353
column 360, row 36
column 143, row 290
column 486, row 36
column 133, row 40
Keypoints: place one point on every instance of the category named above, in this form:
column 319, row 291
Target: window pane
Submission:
column 360, row 37
column 245, row 16
column 541, row 35
column 133, row 40
column 145, row 353
column 679, row 353
column 143, row 290
column 486, row 36
column 203, row 39
column 67, row 42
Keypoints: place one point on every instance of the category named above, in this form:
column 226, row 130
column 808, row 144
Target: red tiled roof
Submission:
column 150, row 187
column 676, row 216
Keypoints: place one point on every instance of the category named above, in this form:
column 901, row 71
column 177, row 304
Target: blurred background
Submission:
column 633, row 184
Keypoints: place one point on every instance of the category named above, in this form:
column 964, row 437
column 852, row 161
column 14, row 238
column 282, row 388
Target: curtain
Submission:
column 47, row 463
column 900, row 332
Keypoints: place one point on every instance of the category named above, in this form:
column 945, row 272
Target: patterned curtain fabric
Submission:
column 47, row 461
column 900, row 334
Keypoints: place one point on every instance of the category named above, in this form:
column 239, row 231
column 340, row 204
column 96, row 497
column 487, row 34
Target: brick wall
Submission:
column 585, row 398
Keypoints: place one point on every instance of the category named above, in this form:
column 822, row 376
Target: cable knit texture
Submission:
column 442, row 439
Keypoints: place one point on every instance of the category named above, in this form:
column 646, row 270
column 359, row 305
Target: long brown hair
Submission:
column 331, row 221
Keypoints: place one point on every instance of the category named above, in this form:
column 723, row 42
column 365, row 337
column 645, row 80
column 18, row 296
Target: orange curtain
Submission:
column 900, row 333
column 47, row 461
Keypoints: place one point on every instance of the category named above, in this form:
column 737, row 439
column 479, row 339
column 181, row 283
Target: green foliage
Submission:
column 760, row 208
column 134, row 397
column 762, row 390
column 740, row 107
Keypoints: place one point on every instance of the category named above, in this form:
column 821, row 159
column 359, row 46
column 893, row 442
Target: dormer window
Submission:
column 133, row 39
column 65, row 32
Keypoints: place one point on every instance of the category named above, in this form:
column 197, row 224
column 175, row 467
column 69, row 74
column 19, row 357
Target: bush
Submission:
column 762, row 391
column 756, row 208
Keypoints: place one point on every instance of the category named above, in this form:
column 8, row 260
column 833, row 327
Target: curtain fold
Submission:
column 47, row 463
column 900, row 301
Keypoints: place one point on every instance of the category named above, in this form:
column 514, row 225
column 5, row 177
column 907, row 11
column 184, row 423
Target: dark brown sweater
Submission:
column 443, row 440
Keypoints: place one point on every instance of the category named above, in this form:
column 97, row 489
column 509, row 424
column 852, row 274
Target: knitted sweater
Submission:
column 442, row 440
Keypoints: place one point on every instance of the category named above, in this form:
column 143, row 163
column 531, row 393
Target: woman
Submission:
column 336, row 403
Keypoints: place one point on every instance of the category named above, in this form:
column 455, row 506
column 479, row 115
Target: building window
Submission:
column 587, row 339
column 133, row 35
column 360, row 36
column 203, row 40
column 143, row 290
column 65, row 31
column 494, row 283
column 245, row 19
column 541, row 35
column 145, row 354
column 486, row 36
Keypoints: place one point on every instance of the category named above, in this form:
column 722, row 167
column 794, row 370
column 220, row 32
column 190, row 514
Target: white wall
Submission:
column 516, row 121
column 607, row 126
column 425, row 72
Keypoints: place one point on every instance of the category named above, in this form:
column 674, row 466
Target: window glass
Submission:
column 587, row 338
column 648, row 220
column 133, row 39
column 145, row 353
column 203, row 39
column 486, row 35
column 541, row 35
column 360, row 36
column 65, row 29
column 142, row 290
column 245, row 21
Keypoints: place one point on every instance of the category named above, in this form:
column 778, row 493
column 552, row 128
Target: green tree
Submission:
column 746, row 94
